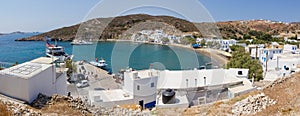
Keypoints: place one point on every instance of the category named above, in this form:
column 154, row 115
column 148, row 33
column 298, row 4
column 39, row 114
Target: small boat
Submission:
column 209, row 63
column 101, row 63
column 81, row 42
column 202, row 68
column 196, row 45
column 56, row 51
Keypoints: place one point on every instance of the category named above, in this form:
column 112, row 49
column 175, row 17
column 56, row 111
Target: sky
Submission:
column 46, row 15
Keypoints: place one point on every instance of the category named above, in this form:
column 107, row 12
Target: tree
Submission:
column 188, row 40
column 242, row 59
column 71, row 67
column 235, row 47
column 202, row 42
column 165, row 40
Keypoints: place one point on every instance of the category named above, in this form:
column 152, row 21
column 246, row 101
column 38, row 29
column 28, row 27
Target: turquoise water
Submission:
column 13, row 51
column 118, row 55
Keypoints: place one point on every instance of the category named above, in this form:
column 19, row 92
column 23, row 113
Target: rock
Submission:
column 252, row 104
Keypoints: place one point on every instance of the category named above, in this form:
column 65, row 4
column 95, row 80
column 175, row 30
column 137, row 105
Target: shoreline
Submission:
column 216, row 56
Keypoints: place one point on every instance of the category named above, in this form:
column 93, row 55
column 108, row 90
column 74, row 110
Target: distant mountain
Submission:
column 17, row 32
column 120, row 27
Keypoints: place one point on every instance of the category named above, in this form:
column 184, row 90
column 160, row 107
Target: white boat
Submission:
column 56, row 51
column 101, row 63
column 80, row 42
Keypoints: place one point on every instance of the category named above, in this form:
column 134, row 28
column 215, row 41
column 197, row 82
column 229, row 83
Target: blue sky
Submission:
column 46, row 15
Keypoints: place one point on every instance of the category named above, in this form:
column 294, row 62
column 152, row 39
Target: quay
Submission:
column 98, row 79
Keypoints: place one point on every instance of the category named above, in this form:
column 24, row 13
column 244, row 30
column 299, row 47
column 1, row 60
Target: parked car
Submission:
column 83, row 83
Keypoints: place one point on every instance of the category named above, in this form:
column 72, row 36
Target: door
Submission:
column 141, row 103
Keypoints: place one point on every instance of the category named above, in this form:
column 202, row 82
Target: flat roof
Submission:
column 195, row 78
column 25, row 70
column 44, row 60
column 147, row 73
column 240, row 89
column 111, row 95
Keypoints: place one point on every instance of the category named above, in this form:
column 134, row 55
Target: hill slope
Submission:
column 116, row 27
column 119, row 25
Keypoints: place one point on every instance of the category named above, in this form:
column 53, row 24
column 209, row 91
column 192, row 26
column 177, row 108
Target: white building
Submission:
column 278, row 62
column 268, row 54
column 255, row 50
column 225, row 44
column 144, row 87
column 25, row 81
column 291, row 48
column 194, row 87
column 139, row 88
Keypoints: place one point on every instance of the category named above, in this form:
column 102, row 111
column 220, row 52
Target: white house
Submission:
column 139, row 88
column 225, row 44
column 291, row 48
column 144, row 87
column 25, row 81
column 195, row 87
column 255, row 49
column 268, row 54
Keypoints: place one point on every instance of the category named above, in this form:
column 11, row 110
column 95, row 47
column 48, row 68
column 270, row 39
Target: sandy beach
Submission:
column 216, row 55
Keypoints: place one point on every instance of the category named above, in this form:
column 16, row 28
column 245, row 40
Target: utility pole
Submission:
column 267, row 59
column 256, row 50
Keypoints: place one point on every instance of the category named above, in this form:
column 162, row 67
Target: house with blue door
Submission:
column 291, row 48
column 268, row 54
column 225, row 44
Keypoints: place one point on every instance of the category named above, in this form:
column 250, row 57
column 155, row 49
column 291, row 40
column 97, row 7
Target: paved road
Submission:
column 98, row 80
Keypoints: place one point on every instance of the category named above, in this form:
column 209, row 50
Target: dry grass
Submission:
column 61, row 108
column 286, row 95
column 3, row 110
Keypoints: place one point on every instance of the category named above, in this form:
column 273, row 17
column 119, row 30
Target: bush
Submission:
column 242, row 59
column 188, row 40
column 71, row 67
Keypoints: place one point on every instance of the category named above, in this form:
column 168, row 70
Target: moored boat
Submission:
column 99, row 63
column 81, row 42
column 56, row 51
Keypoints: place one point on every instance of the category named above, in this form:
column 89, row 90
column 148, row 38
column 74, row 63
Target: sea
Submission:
column 118, row 55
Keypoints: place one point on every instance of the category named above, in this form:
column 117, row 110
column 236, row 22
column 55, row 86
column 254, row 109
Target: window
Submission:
column 240, row 72
column 138, row 87
column 187, row 83
column 195, row 82
column 152, row 84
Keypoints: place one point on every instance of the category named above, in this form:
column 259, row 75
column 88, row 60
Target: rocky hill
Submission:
column 117, row 27
column 235, row 29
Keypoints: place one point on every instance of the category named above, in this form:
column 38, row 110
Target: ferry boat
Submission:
column 56, row 51
column 81, row 42
column 101, row 63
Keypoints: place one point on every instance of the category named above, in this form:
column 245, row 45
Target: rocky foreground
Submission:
column 280, row 97
column 252, row 104
column 61, row 105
